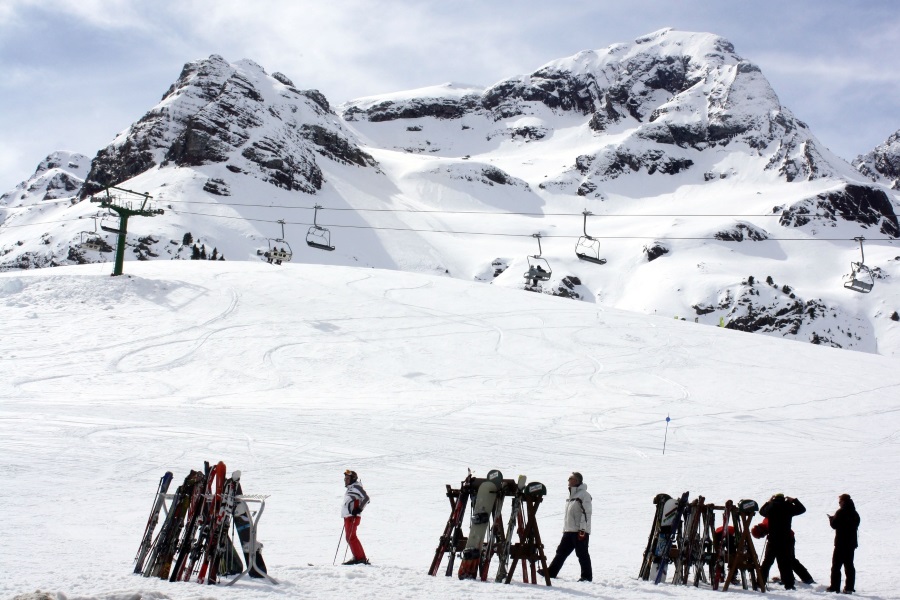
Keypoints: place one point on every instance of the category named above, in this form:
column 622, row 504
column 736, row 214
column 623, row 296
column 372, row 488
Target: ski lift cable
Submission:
column 499, row 213
column 598, row 237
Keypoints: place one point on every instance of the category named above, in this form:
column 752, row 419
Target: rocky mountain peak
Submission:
column 236, row 114
column 60, row 175
column 882, row 164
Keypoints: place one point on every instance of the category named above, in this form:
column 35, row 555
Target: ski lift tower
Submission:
column 125, row 203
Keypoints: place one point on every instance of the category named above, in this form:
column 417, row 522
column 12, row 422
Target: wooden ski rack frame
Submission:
column 529, row 549
column 697, row 554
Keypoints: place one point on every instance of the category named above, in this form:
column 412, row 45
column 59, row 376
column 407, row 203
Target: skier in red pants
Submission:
column 355, row 500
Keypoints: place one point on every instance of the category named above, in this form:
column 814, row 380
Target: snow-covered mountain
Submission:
column 60, row 175
column 882, row 164
column 710, row 201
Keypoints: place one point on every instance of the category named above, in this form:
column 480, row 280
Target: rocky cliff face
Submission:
column 237, row 114
column 883, row 163
column 670, row 93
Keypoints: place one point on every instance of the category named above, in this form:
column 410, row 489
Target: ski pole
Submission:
column 338, row 546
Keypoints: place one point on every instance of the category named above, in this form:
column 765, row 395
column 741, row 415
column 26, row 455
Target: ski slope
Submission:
column 294, row 373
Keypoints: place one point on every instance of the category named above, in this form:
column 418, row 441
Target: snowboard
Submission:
column 243, row 521
column 480, row 521
column 669, row 528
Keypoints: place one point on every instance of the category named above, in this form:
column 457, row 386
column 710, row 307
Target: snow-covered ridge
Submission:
column 60, row 175
column 882, row 164
column 699, row 181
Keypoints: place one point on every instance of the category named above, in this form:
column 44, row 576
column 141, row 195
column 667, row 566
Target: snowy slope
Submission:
column 296, row 373
column 678, row 146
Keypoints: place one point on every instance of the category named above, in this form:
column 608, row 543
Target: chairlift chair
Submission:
column 861, row 279
column 279, row 249
column 588, row 248
column 110, row 222
column 318, row 237
column 90, row 240
column 538, row 268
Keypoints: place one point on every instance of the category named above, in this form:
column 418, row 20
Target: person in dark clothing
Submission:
column 761, row 530
column 780, row 511
column 845, row 522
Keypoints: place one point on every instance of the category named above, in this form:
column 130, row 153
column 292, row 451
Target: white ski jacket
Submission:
column 355, row 498
column 578, row 510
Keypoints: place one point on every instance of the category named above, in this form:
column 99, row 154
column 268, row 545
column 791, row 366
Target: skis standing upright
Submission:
column 723, row 551
column 181, row 571
column 218, row 541
column 506, row 545
column 215, row 487
column 147, row 540
column 660, row 501
column 480, row 521
column 668, row 533
column 453, row 529
column 167, row 541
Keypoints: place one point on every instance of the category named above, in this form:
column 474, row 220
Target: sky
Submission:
column 76, row 72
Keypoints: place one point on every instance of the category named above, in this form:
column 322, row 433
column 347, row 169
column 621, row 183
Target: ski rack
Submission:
column 243, row 500
column 700, row 552
column 453, row 540
column 744, row 558
column 530, row 548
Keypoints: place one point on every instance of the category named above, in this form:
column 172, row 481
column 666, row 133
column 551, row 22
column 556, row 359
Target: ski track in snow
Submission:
column 294, row 375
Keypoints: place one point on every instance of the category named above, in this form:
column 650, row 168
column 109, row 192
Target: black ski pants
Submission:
column 568, row 543
column 796, row 566
column 843, row 557
column 781, row 552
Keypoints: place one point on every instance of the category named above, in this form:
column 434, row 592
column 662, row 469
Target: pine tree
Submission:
column 215, row 254
column 195, row 253
column 203, row 251
column 187, row 240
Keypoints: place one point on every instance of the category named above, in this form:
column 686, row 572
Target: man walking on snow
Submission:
column 576, row 530
column 355, row 500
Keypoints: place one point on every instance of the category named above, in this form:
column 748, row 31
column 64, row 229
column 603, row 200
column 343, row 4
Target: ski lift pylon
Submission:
column 318, row 237
column 860, row 278
column 277, row 254
column 588, row 248
column 538, row 267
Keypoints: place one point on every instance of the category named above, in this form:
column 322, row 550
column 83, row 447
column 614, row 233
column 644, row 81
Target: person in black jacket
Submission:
column 845, row 522
column 779, row 511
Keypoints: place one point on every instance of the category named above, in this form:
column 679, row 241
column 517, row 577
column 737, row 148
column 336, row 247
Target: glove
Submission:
column 355, row 512
column 582, row 535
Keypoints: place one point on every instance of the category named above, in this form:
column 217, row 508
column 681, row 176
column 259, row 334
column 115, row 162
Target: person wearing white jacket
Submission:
column 576, row 530
column 355, row 500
